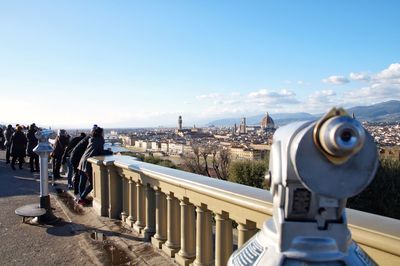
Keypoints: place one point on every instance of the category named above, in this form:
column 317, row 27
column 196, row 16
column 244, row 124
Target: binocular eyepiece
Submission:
column 339, row 136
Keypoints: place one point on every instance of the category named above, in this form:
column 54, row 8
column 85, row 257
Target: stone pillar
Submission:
column 245, row 232
column 100, row 189
column 173, row 226
column 204, row 241
column 150, row 228
column 125, row 199
column 132, row 210
column 223, row 239
column 114, row 193
column 140, row 209
column 187, row 254
column 161, row 220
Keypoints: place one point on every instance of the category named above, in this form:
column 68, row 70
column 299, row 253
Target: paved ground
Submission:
column 69, row 242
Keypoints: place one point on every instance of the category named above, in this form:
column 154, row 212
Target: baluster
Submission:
column 188, row 232
column 204, row 244
column 150, row 229
column 132, row 210
column 223, row 239
column 125, row 201
column 173, row 226
column 245, row 232
column 161, row 220
column 114, row 195
column 140, row 210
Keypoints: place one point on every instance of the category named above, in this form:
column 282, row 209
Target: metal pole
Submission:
column 43, row 149
column 44, row 178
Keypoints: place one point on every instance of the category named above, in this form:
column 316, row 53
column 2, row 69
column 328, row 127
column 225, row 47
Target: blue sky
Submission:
column 143, row 63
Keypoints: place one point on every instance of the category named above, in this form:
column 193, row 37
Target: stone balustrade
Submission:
column 190, row 216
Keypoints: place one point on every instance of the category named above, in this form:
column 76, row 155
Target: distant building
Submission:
column 242, row 126
column 176, row 148
column 143, row 145
column 155, row 146
column 128, row 140
column 164, row 147
column 267, row 122
column 240, row 153
column 180, row 122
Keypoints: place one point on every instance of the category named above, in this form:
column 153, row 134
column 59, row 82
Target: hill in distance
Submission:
column 382, row 112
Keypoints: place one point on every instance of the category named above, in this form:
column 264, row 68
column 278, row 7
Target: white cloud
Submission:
column 208, row 96
column 337, row 80
column 272, row 99
column 382, row 86
column 376, row 87
column 270, row 94
column 359, row 76
column 322, row 95
column 256, row 102
column 319, row 101
column 373, row 93
column 392, row 72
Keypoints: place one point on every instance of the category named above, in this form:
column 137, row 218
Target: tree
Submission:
column 220, row 162
column 250, row 173
column 382, row 195
column 196, row 162
column 205, row 151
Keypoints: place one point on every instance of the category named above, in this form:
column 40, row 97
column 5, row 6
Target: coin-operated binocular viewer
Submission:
column 314, row 167
column 43, row 149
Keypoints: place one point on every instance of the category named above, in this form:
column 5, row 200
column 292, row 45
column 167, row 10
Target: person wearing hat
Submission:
column 60, row 144
column 32, row 143
column 18, row 146
column 95, row 148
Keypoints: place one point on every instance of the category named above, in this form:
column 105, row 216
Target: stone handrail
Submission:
column 175, row 209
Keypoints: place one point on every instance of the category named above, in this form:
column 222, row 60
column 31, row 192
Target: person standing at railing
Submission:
column 76, row 155
column 32, row 143
column 94, row 148
column 18, row 146
column 66, row 158
column 7, row 135
column 60, row 144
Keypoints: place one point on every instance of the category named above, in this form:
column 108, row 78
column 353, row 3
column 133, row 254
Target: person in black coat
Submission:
column 32, row 143
column 76, row 155
column 2, row 139
column 94, row 148
column 7, row 135
column 18, row 147
column 66, row 158
column 59, row 147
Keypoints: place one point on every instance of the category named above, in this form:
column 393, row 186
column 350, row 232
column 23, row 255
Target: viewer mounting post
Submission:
column 314, row 167
column 43, row 211
column 43, row 149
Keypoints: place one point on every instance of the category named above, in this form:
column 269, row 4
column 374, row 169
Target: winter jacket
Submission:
column 32, row 142
column 8, row 134
column 78, row 151
column 94, row 148
column 71, row 145
column 18, row 144
column 59, row 146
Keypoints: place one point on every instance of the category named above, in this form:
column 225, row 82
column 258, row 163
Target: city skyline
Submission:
column 142, row 64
